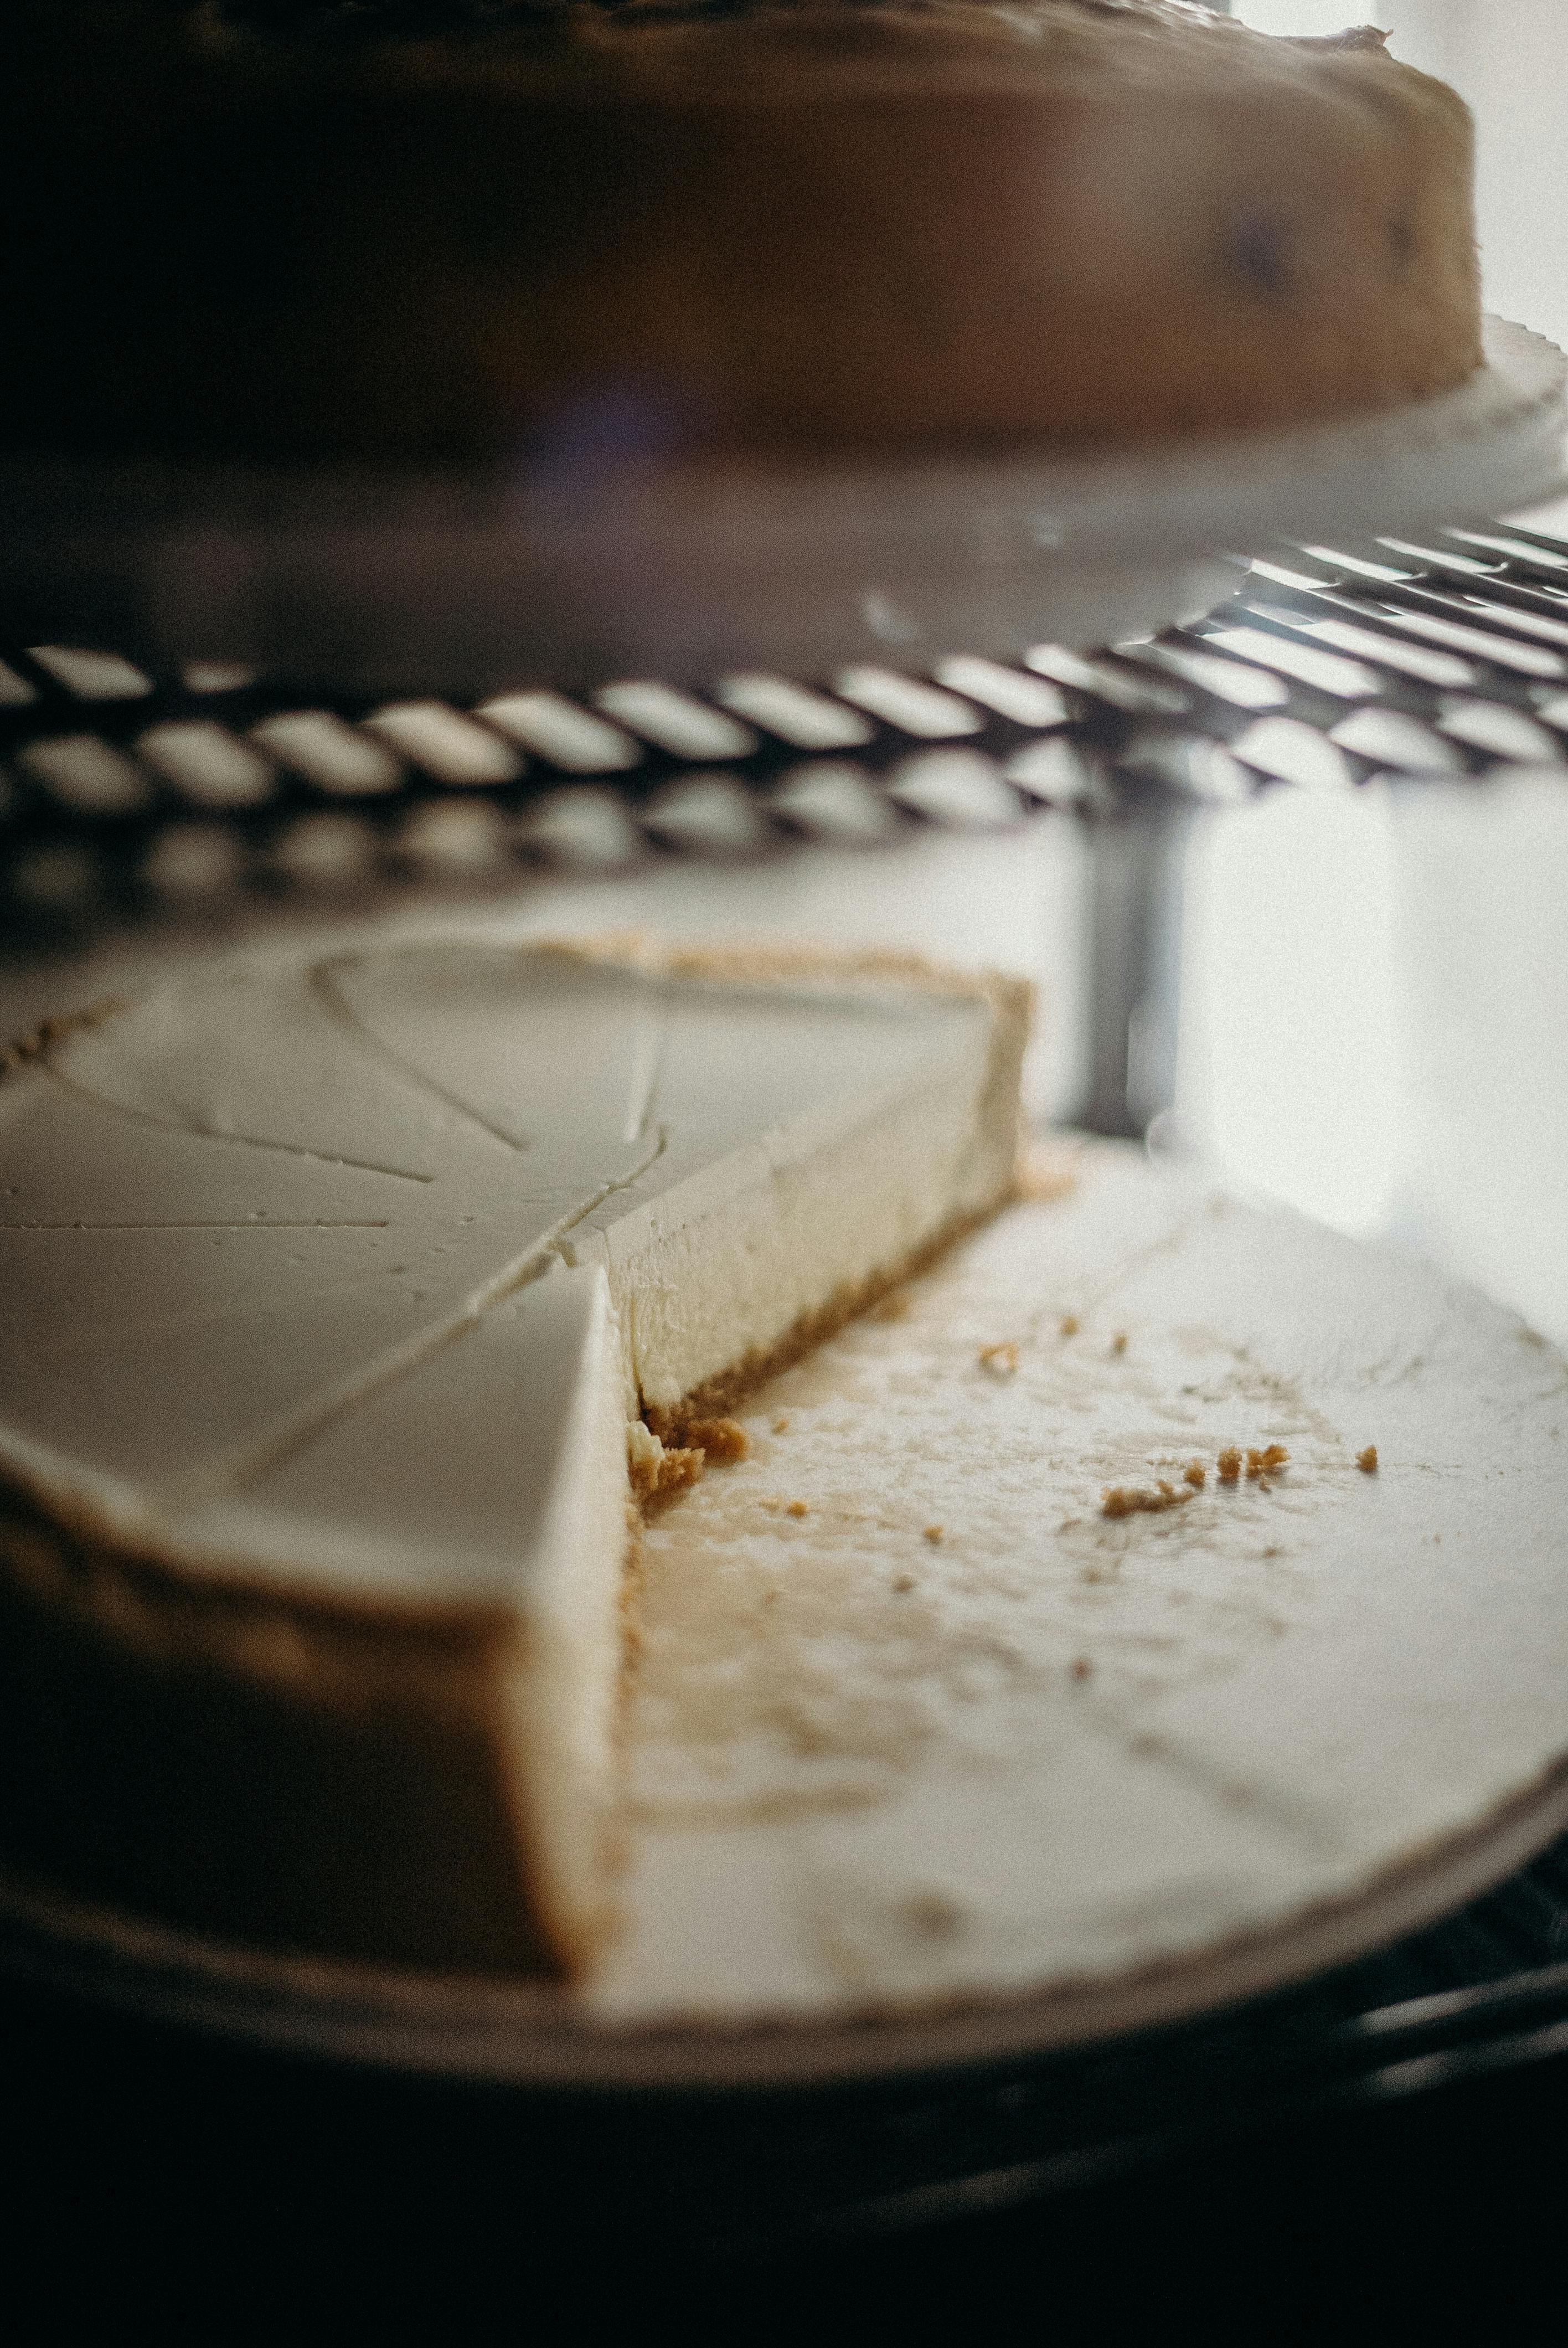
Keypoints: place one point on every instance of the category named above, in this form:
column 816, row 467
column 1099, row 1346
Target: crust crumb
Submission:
column 903, row 1583
column 1070, row 1324
column 934, row 1533
column 1228, row 1465
column 1261, row 1465
column 1368, row 1460
column 1134, row 1500
column 781, row 1423
column 678, row 1469
column 718, row 1438
column 670, row 1473
column 1119, row 1342
column 655, row 1468
column 1000, row 1360
column 796, row 1509
column 1082, row 1667
column 1195, row 1473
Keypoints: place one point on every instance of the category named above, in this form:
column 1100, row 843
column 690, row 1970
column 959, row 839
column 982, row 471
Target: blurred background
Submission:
column 1373, row 986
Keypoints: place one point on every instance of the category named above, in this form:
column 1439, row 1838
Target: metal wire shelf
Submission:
column 126, row 796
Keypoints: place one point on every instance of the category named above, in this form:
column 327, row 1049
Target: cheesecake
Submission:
column 349, row 1305
column 574, row 238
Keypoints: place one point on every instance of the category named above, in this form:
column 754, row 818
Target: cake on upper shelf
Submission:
column 565, row 234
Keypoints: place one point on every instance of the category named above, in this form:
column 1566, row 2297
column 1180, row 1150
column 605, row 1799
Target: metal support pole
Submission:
column 1134, row 967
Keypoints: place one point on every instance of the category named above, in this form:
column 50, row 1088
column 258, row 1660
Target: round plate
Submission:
column 520, row 2035
column 1054, row 1774
column 477, row 580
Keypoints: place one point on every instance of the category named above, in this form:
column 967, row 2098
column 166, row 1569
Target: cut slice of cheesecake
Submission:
column 335, row 1294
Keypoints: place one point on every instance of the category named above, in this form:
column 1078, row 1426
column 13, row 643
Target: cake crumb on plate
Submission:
column 718, row 1438
column 1134, row 1500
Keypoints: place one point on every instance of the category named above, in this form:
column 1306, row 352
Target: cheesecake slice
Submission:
column 346, row 1304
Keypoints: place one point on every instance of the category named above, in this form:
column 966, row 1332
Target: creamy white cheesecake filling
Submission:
column 338, row 1283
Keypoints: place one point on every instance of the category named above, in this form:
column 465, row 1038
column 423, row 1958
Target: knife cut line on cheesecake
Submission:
column 244, row 1467
column 231, row 1474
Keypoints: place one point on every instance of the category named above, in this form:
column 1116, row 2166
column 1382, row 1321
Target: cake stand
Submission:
column 481, row 580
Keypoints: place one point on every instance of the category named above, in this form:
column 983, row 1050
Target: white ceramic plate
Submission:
column 1312, row 1717
column 474, row 581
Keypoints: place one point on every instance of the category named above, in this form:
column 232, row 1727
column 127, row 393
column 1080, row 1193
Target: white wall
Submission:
column 1509, row 58
column 1374, row 993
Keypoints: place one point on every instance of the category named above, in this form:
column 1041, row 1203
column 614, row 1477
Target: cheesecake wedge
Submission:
column 347, row 1306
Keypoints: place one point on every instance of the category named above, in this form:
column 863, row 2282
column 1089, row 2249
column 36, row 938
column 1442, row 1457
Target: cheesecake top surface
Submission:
column 245, row 1219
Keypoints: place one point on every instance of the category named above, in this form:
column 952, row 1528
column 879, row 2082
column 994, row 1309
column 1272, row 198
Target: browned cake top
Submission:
column 435, row 225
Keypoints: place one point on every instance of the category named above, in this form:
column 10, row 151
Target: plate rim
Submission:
column 530, row 2035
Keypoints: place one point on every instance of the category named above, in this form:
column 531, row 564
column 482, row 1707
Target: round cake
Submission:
column 568, row 235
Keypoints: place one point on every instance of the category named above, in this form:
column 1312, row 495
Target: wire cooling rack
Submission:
column 154, row 798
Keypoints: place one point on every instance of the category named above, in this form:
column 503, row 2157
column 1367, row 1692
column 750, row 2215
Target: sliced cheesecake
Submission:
column 344, row 1305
